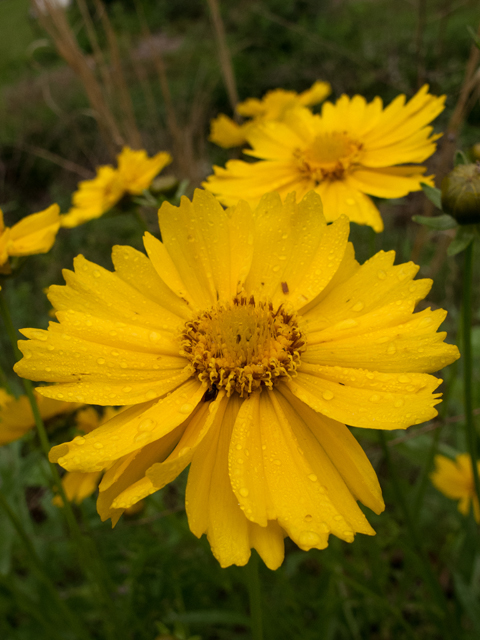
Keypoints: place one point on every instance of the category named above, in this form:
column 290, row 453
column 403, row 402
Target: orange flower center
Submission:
column 329, row 156
column 243, row 346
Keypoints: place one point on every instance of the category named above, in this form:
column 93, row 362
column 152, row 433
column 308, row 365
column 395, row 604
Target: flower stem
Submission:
column 467, row 363
column 254, row 596
column 423, row 560
column 89, row 558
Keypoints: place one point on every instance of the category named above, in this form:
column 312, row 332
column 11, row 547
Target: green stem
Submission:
column 467, row 364
column 89, row 558
column 424, row 562
column 254, row 596
column 38, row 569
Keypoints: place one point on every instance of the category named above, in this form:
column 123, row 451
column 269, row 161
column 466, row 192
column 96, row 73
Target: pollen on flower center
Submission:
column 329, row 156
column 243, row 345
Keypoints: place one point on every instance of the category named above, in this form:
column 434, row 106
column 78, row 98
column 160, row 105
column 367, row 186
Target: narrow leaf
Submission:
column 440, row 223
column 433, row 194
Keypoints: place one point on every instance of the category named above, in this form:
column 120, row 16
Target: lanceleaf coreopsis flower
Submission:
column 273, row 106
column 351, row 151
column 16, row 416
column 33, row 234
column 454, row 478
column 135, row 173
column 244, row 341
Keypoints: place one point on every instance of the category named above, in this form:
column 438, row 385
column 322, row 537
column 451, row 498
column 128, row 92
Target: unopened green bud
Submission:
column 461, row 193
column 475, row 151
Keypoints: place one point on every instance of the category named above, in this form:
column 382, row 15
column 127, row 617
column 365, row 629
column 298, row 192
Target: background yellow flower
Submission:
column 135, row 173
column 454, row 478
column 273, row 106
column 351, row 151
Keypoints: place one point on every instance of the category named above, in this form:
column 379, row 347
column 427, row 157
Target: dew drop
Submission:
column 374, row 398
column 327, row 395
column 312, row 477
column 185, row 408
column 154, row 336
column 101, row 360
column 403, row 379
column 277, row 462
column 381, row 274
column 350, row 201
column 79, row 440
column 96, row 273
column 147, row 425
column 126, row 389
column 98, row 445
column 399, row 403
column 238, row 447
column 358, row 307
column 150, row 395
column 309, row 538
column 391, row 349
column 243, row 492
column 276, row 268
column 240, row 460
column 308, row 518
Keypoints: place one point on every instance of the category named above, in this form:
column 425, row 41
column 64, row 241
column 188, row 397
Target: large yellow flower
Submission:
column 245, row 341
column 33, row 234
column 351, row 151
column 454, row 478
column 273, row 106
column 135, row 173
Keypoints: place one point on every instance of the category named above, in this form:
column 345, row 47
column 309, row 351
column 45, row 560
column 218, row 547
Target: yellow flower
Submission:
column 351, row 151
column 137, row 170
column 16, row 417
column 273, row 106
column 455, row 480
column 77, row 484
column 244, row 341
column 135, row 173
column 33, row 234
column 94, row 197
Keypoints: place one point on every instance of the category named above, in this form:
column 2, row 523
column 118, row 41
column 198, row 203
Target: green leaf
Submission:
column 460, row 242
column 440, row 223
column 433, row 194
column 460, row 158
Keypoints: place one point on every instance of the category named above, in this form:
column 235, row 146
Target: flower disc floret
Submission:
column 243, row 346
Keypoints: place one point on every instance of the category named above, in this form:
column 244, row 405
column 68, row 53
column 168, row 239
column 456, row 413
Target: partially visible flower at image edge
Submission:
column 227, row 133
column 31, row 235
column 454, row 478
column 95, row 197
column 352, row 151
column 244, row 342
column 16, row 416
column 79, row 485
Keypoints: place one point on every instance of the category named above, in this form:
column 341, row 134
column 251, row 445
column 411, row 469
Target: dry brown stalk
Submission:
column 57, row 26
column 224, row 56
column 130, row 129
column 68, row 165
column 182, row 155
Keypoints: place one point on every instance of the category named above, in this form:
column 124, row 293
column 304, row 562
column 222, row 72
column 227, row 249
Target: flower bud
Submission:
column 461, row 193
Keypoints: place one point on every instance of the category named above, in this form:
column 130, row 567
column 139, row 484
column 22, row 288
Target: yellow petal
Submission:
column 35, row 233
column 226, row 133
column 367, row 399
column 128, row 431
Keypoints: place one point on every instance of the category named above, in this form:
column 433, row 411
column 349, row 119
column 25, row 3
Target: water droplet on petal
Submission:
column 186, row 408
column 358, row 307
column 243, row 492
column 101, row 360
column 312, row 477
column 309, row 538
column 327, row 395
column 98, row 445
